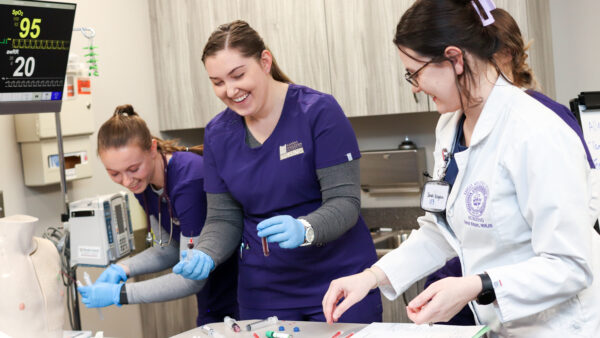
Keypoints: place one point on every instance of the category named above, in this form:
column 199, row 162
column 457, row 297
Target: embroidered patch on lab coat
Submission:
column 290, row 149
column 476, row 196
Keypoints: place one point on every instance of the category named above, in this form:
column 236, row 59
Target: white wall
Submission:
column 126, row 76
column 576, row 45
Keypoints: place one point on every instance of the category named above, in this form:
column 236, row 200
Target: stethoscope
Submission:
column 150, row 238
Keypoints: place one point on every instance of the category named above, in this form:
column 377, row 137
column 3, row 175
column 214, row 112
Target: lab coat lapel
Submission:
column 496, row 104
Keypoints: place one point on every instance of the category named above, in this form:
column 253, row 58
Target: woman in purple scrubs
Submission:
column 148, row 166
column 512, row 60
column 281, row 163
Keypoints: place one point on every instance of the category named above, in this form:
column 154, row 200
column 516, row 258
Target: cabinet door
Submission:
column 294, row 30
column 367, row 77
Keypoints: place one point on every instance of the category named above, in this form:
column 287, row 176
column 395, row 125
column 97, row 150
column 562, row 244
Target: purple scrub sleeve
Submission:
column 335, row 141
column 279, row 177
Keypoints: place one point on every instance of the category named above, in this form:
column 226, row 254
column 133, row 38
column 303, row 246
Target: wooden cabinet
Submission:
column 342, row 47
column 294, row 30
column 366, row 73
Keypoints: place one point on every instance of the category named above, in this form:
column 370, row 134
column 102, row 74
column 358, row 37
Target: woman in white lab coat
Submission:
column 518, row 209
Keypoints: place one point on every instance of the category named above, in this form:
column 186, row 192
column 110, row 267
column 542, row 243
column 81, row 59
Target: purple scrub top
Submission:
column 185, row 178
column 279, row 178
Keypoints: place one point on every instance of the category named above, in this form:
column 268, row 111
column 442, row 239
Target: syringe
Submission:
column 262, row 323
column 88, row 281
column 210, row 331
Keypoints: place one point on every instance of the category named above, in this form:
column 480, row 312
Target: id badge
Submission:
column 435, row 196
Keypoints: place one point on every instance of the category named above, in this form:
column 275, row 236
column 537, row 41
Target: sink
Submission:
column 386, row 241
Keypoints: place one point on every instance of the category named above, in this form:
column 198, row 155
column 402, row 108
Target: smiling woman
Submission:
column 167, row 180
column 281, row 167
column 516, row 205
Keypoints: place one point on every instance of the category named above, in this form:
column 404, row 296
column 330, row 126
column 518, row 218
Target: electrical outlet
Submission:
column 1, row 204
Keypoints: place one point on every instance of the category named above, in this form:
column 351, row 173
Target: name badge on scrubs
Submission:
column 435, row 196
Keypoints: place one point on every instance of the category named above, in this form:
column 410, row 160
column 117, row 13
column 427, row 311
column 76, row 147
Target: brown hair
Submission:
column 512, row 44
column 429, row 26
column 126, row 126
column 240, row 36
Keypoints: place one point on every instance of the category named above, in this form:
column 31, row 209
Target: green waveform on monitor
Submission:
column 40, row 44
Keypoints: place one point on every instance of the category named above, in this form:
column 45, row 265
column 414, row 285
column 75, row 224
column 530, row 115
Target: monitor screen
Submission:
column 35, row 37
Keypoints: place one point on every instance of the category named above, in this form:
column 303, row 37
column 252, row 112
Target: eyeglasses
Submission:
column 412, row 77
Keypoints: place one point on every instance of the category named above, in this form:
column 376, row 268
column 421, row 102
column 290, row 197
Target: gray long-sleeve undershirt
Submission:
column 340, row 191
column 163, row 288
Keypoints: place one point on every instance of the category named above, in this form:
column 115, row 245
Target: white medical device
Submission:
column 101, row 230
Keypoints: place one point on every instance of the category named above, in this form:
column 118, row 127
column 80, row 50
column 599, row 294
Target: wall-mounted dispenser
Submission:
column 37, row 135
column 392, row 171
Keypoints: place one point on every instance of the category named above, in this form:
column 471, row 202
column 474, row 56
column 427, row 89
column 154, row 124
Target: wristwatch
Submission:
column 487, row 294
column 309, row 232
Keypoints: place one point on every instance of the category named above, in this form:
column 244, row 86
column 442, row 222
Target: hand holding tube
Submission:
column 284, row 229
column 100, row 294
column 198, row 267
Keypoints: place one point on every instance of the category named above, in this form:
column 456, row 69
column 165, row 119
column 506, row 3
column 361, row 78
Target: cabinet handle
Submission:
column 416, row 98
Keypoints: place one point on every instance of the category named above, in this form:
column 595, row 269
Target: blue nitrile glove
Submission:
column 284, row 229
column 114, row 274
column 197, row 268
column 100, row 294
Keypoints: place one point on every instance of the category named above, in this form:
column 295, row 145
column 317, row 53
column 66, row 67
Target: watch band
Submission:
column 487, row 294
column 123, row 295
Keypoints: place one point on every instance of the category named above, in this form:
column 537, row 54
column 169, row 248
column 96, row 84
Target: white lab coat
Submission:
column 520, row 209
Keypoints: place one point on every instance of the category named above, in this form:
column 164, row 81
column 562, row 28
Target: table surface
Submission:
column 307, row 329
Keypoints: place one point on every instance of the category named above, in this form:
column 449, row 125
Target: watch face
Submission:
column 310, row 235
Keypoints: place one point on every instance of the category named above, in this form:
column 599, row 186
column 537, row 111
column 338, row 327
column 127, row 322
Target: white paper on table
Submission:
column 406, row 330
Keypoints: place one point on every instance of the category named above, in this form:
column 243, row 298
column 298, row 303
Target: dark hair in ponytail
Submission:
column 429, row 26
column 512, row 44
column 126, row 126
column 240, row 36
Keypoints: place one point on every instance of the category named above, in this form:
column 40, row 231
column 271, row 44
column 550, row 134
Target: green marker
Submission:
column 273, row 334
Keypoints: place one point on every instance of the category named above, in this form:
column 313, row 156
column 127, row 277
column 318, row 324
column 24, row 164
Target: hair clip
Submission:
column 488, row 6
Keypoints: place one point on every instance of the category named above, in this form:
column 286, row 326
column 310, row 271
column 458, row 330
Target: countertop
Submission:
column 396, row 218
column 307, row 329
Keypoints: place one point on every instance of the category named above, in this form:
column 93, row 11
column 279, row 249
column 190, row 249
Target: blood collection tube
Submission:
column 232, row 324
column 190, row 246
column 265, row 246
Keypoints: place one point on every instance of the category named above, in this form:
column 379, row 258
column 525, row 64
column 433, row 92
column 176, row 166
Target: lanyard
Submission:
column 447, row 156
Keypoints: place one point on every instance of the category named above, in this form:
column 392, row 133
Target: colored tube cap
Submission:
column 281, row 328
column 296, row 329
column 270, row 334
